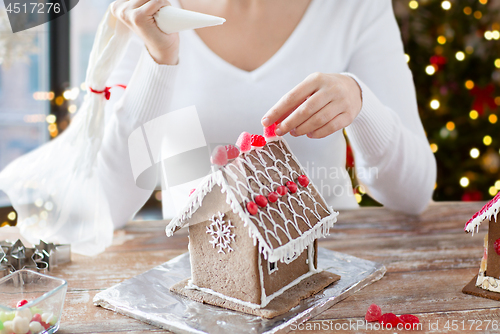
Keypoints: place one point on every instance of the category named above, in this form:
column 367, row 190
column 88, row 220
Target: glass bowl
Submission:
column 45, row 299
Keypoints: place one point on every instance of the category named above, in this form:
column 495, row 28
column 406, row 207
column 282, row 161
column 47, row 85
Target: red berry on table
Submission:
column 409, row 319
column 258, row 140
column 303, row 180
column 373, row 313
column 232, row 151
column 252, row 208
column 261, row 200
column 273, row 197
column 496, row 245
column 292, row 186
column 22, row 302
column 389, row 318
column 282, row 190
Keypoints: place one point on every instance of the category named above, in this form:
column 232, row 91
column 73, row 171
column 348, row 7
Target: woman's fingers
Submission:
column 151, row 7
column 138, row 3
column 337, row 123
column 318, row 120
column 138, row 15
column 291, row 100
column 303, row 112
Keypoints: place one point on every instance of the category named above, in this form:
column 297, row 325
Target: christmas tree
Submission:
column 453, row 50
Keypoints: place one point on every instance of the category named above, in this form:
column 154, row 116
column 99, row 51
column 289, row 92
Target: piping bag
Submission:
column 172, row 19
column 56, row 189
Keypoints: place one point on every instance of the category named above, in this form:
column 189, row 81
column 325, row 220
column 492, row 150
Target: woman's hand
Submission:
column 319, row 106
column 138, row 16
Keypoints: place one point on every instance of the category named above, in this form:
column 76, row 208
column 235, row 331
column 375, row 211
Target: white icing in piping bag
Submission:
column 172, row 19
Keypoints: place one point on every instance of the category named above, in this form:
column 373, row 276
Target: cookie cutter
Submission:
column 41, row 258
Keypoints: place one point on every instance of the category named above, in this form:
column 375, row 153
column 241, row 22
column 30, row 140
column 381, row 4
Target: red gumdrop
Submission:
column 292, row 186
column 244, row 142
column 282, row 190
column 252, row 208
column 258, row 141
column 191, row 191
column 232, row 151
column 219, row 156
column 409, row 319
column 303, row 180
column 273, row 197
column 37, row 317
column 269, row 132
column 373, row 313
column 45, row 325
column 261, row 200
column 22, row 302
column 496, row 245
column 389, row 318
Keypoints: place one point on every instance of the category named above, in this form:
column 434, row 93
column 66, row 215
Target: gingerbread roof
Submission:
column 489, row 211
column 284, row 228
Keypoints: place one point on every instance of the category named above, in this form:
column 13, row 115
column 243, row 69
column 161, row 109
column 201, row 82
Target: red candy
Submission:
column 373, row 313
column 232, row 151
column 282, row 190
column 273, row 197
column 219, row 156
column 258, row 140
column 37, row 317
column 261, row 200
column 45, row 325
column 269, row 132
column 389, row 318
column 303, row 180
column 191, row 191
column 409, row 319
column 496, row 245
column 244, row 142
column 22, row 302
column 252, row 208
column 292, row 186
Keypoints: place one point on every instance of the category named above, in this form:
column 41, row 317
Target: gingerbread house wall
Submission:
column 286, row 273
column 235, row 273
column 493, row 259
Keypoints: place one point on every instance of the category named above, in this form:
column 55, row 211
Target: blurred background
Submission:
column 451, row 46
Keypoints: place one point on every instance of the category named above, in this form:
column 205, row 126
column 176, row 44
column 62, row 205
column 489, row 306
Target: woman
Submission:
column 282, row 57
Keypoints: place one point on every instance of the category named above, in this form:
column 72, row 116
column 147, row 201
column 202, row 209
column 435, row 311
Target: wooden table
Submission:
column 429, row 259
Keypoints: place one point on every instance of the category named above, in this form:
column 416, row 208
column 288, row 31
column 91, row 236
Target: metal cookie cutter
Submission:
column 42, row 258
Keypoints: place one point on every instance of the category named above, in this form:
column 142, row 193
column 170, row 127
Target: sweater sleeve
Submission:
column 392, row 155
column 147, row 96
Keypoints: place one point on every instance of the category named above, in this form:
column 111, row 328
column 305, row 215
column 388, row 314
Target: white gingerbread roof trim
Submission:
column 489, row 211
column 242, row 180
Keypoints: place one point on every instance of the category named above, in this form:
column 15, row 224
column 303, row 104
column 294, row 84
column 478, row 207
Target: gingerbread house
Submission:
column 487, row 282
column 253, row 229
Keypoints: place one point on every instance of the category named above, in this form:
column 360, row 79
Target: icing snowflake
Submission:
column 221, row 233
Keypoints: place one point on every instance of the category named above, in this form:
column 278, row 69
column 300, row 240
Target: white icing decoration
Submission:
column 192, row 286
column 269, row 270
column 492, row 284
column 491, row 213
column 310, row 257
column 288, row 250
column 265, row 300
column 221, row 233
